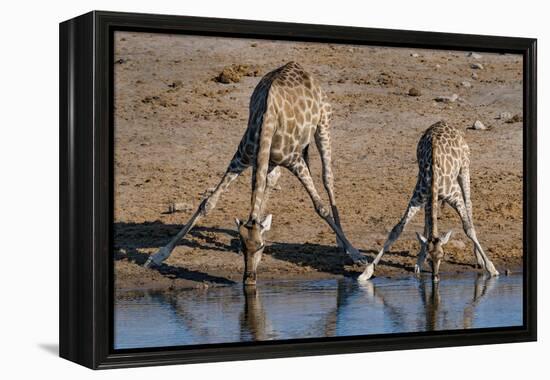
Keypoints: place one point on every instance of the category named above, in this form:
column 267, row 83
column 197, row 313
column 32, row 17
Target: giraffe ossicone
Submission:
column 288, row 111
column 443, row 176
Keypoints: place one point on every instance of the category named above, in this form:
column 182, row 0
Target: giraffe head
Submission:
column 251, row 235
column 434, row 249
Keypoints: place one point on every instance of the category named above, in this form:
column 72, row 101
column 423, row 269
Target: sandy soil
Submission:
column 176, row 128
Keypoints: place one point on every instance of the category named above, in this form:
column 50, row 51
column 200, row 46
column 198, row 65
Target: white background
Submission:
column 29, row 186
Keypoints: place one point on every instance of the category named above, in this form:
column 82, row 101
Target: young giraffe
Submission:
column 443, row 176
column 288, row 109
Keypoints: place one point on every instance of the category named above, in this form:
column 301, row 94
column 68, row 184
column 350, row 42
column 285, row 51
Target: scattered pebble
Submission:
column 438, row 66
column 234, row 73
column 504, row 116
column 515, row 119
column 176, row 84
column 447, row 99
column 414, row 92
column 350, row 50
column 415, row 55
column 466, row 84
column 479, row 126
column 476, row 66
column 458, row 244
column 176, row 207
column 475, row 76
column 474, row 55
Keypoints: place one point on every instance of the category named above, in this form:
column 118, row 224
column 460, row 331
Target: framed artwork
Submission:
column 236, row 189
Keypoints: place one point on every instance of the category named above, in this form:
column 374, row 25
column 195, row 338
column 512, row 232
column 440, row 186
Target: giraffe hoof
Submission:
column 367, row 274
column 157, row 258
column 150, row 263
column 490, row 268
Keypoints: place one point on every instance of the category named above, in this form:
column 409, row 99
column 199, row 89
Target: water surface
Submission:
column 312, row 309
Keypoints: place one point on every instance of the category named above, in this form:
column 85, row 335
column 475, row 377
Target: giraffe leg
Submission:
column 464, row 183
column 457, row 202
column 207, row 205
column 300, row 170
column 412, row 208
column 322, row 140
column 272, row 178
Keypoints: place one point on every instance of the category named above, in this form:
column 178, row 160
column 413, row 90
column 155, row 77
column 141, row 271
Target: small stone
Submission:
column 438, row 66
column 504, row 116
column 415, row 55
column 176, row 207
column 458, row 244
column 414, row 92
column 446, row 99
column 475, row 76
column 476, row 66
column 479, row 126
column 350, row 50
column 176, row 84
column 515, row 119
column 466, row 84
column 474, row 55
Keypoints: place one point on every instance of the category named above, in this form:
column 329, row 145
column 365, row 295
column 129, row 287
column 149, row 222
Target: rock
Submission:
column 458, row 244
column 447, row 99
column 350, row 50
column 415, row 55
column 504, row 116
column 466, row 84
column 438, row 66
column 176, row 207
column 479, row 126
column 515, row 119
column 234, row 73
column 176, row 84
column 414, row 92
column 474, row 55
column 475, row 76
column 476, row 66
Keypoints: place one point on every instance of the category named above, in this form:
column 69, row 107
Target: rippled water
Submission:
column 307, row 309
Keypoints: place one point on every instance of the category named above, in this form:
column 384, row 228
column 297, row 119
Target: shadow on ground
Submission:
column 131, row 237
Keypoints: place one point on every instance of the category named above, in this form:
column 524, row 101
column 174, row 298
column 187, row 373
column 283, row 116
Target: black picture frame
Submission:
column 86, row 188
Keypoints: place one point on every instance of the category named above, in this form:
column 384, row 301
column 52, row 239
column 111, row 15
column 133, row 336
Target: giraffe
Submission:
column 443, row 177
column 287, row 111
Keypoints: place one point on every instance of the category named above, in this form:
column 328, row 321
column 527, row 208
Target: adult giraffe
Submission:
column 288, row 110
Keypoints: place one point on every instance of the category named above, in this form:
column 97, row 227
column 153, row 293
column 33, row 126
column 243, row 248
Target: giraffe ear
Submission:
column 446, row 237
column 266, row 223
column 421, row 238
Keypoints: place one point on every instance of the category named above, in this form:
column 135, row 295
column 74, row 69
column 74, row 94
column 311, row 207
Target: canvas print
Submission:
column 277, row 190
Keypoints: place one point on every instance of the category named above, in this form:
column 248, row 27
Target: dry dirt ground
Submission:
column 177, row 126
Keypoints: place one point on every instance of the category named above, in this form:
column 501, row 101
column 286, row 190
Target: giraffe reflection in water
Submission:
column 312, row 309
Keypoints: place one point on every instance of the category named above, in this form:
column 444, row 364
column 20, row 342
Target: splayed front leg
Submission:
column 204, row 208
column 412, row 209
